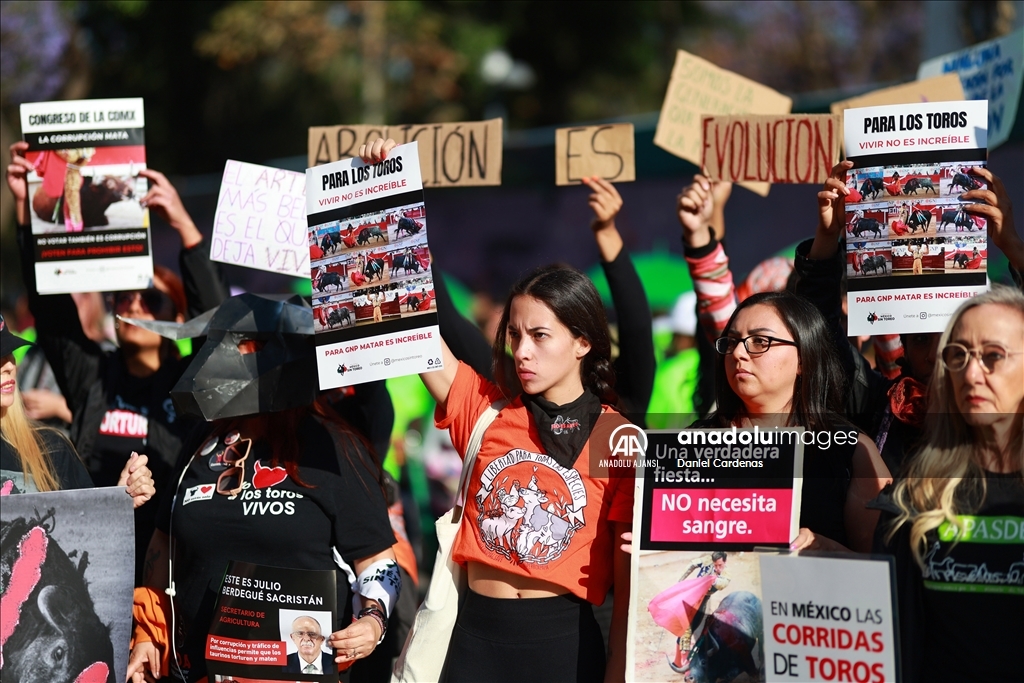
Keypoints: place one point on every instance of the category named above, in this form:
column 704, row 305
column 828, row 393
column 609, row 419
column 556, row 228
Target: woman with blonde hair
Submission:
column 955, row 523
column 35, row 458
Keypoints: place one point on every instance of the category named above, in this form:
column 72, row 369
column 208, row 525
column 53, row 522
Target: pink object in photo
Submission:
column 674, row 607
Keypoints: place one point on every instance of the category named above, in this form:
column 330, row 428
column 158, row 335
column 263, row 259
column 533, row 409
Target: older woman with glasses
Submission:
column 956, row 522
column 119, row 399
column 776, row 368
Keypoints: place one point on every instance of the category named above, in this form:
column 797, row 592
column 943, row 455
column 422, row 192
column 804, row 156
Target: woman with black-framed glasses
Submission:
column 955, row 522
column 776, row 367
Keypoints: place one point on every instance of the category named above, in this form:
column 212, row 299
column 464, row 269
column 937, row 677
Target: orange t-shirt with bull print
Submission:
column 525, row 513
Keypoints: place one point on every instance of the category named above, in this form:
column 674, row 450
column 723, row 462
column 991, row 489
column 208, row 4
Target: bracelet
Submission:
column 378, row 615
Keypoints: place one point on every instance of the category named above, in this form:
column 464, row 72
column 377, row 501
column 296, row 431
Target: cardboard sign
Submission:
column 913, row 253
column 993, row 71
column 828, row 619
column 71, row 553
column 584, row 151
column 461, row 154
column 374, row 310
column 260, row 220
column 272, row 621
column 88, row 227
column 800, row 148
column 698, row 87
column 945, row 88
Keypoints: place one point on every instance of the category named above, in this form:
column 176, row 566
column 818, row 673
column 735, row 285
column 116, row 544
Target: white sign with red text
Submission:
column 374, row 311
column 914, row 247
column 828, row 619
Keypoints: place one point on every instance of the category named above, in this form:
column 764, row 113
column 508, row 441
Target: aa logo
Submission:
column 628, row 440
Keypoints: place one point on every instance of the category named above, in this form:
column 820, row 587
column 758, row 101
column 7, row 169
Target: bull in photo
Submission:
column 66, row 576
column 959, row 219
column 872, row 187
column 408, row 226
column 864, row 225
column 874, row 264
column 97, row 194
column 914, row 184
column 730, row 642
column 964, row 181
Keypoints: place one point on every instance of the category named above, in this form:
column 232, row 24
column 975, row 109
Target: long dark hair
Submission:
column 571, row 296
column 818, row 389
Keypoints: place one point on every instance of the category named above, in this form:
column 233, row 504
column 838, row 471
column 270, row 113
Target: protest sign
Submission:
column 89, row 230
column 698, row 87
column 945, row 88
column 913, row 253
column 68, row 563
column 993, row 71
column 828, row 619
column 462, row 154
column 728, row 488
column 272, row 624
column 797, row 148
column 606, row 151
column 374, row 311
column 260, row 220
column 704, row 499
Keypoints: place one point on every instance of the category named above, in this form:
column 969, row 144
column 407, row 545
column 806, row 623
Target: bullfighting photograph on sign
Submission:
column 374, row 311
column 84, row 194
column 913, row 166
column 67, row 572
column 697, row 617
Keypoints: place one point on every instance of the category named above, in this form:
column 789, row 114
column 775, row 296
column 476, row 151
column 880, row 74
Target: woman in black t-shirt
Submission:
column 956, row 522
column 296, row 488
column 776, row 368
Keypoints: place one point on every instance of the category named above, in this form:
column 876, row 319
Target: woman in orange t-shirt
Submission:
column 540, row 516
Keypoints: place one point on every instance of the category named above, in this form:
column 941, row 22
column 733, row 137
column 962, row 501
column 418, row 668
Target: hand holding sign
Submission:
column 606, row 204
column 164, row 200
column 604, row 151
column 831, row 212
column 994, row 204
column 695, row 206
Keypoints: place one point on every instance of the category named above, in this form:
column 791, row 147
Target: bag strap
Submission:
column 476, row 439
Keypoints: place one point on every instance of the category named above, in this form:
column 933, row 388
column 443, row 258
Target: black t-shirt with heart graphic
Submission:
column 273, row 521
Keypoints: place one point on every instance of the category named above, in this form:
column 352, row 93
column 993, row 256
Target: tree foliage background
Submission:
column 244, row 80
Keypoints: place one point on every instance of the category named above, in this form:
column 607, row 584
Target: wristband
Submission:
column 378, row 615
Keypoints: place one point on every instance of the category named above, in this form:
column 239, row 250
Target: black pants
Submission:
column 536, row 640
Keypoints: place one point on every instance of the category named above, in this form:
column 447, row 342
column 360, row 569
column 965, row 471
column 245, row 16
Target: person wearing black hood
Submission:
column 267, row 430
column 119, row 398
column 891, row 411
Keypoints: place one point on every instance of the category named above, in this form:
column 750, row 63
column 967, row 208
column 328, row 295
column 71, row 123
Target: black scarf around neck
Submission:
column 564, row 430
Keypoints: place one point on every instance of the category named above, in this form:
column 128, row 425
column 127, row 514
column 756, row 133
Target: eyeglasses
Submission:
column 231, row 480
column 956, row 357
column 153, row 300
column 755, row 344
column 299, row 635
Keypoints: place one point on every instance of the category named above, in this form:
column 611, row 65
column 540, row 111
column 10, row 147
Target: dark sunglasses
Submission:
column 231, row 480
column 153, row 300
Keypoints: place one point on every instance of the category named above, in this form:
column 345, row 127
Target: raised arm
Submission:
column 438, row 382
column 821, row 266
column 709, row 266
column 205, row 284
column 635, row 364
column 75, row 358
